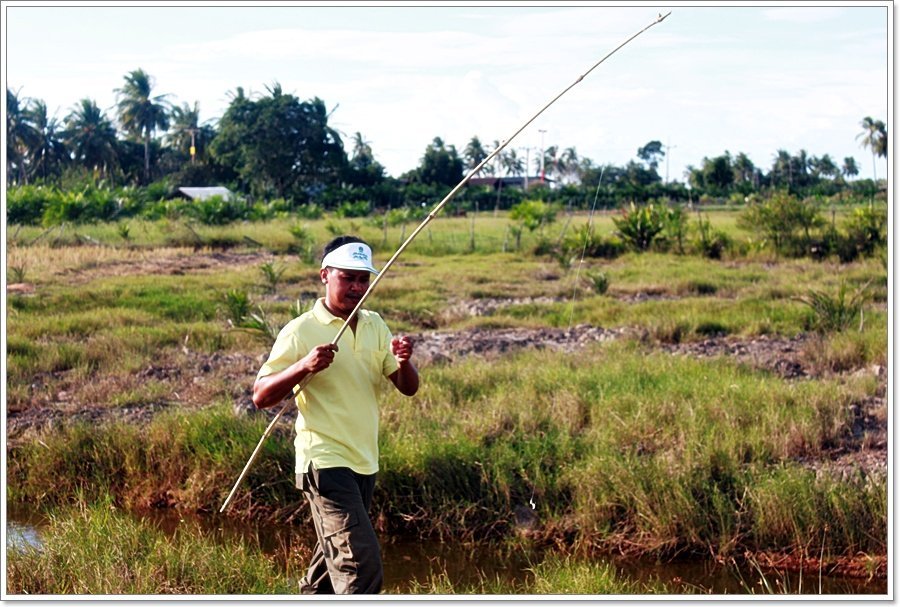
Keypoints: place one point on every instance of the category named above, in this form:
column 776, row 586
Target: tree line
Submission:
column 274, row 146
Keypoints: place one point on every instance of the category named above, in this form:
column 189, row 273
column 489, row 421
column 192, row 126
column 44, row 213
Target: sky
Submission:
column 736, row 77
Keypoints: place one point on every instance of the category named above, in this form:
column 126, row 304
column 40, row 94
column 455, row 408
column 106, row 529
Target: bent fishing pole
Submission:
column 299, row 387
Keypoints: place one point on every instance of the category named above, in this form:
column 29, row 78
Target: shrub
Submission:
column 360, row 208
column 867, row 228
column 785, row 220
column 310, row 210
column 675, row 226
column 81, row 206
column 216, row 210
column 25, row 204
column 584, row 239
column 600, row 281
column 835, row 312
column 640, row 226
column 711, row 243
column 533, row 214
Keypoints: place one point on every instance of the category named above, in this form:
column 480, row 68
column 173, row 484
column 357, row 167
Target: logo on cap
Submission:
column 360, row 255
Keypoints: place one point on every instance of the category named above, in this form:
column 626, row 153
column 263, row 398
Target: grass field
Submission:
column 125, row 362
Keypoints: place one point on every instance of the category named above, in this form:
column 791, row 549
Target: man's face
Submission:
column 344, row 288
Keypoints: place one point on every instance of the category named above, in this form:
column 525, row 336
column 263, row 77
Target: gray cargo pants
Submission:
column 347, row 558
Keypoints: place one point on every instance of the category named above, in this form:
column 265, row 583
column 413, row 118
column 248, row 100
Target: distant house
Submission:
column 510, row 182
column 204, row 193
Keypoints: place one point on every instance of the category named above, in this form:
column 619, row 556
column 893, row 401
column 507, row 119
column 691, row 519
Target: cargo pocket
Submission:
column 336, row 521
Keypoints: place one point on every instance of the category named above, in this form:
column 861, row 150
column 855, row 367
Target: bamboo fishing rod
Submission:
column 299, row 387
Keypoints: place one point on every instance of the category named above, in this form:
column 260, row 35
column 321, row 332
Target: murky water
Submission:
column 408, row 561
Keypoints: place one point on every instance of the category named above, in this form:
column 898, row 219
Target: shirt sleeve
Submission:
column 287, row 350
column 389, row 362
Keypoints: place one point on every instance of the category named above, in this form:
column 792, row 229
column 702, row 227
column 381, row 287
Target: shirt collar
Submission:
column 326, row 318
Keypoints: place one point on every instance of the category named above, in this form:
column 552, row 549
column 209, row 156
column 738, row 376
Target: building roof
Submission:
column 204, row 193
column 507, row 181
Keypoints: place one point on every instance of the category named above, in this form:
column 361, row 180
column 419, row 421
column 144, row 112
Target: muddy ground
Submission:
column 191, row 379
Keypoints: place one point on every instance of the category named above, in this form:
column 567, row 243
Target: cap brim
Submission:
column 349, row 267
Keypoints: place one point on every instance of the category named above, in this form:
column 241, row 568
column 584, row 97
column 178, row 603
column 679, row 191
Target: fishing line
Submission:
column 587, row 238
column 300, row 386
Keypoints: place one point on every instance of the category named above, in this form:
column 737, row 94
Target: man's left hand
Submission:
column 402, row 347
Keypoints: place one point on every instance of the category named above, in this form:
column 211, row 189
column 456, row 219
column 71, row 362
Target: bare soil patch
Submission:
column 155, row 264
column 191, row 379
column 782, row 356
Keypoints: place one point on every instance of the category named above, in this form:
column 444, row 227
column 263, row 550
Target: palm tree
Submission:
column 874, row 137
column 20, row 137
column 824, row 167
column 91, row 136
column 362, row 151
column 849, row 168
column 141, row 114
column 187, row 135
column 474, row 154
column 570, row 164
column 551, row 166
column 511, row 163
column 782, row 169
column 49, row 153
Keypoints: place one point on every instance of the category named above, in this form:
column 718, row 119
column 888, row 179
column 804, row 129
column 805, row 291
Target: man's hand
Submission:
column 319, row 358
column 402, row 347
column 406, row 378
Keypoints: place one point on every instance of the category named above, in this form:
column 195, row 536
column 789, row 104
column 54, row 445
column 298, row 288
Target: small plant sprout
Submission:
column 272, row 274
column 600, row 281
column 17, row 273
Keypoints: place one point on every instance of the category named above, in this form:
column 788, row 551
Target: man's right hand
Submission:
column 319, row 358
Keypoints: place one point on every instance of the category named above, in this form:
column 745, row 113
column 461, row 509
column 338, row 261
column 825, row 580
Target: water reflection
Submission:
column 465, row 566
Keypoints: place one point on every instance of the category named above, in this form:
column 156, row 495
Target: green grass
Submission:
column 99, row 550
column 555, row 575
column 619, row 445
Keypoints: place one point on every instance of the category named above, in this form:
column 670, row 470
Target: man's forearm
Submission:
column 407, row 378
column 272, row 389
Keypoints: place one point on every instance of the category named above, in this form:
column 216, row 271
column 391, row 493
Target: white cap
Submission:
column 351, row 256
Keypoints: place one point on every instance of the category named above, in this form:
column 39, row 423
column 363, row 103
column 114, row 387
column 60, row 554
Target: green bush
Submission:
column 867, row 228
column 533, row 214
column 347, row 209
column 639, row 227
column 835, row 312
column 25, row 204
column 216, row 210
column 88, row 205
column 786, row 221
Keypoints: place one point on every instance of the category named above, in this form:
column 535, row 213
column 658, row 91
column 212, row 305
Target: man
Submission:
column 337, row 423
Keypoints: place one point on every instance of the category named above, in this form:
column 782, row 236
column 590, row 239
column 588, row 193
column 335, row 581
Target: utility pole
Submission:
column 668, row 147
column 527, row 162
column 193, row 144
column 542, row 131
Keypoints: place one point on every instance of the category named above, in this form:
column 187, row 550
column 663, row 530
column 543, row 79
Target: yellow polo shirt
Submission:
column 337, row 422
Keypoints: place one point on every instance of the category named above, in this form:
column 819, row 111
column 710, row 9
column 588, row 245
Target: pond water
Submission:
column 407, row 560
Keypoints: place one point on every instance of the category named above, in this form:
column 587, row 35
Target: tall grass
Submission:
column 99, row 550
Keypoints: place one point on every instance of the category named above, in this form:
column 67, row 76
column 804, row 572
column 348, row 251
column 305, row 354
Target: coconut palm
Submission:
column 139, row 113
column 874, row 137
column 20, row 137
column 49, row 154
column 570, row 165
column 91, row 137
column 187, row 132
column 849, row 168
column 511, row 162
column 362, row 151
column 474, row 154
